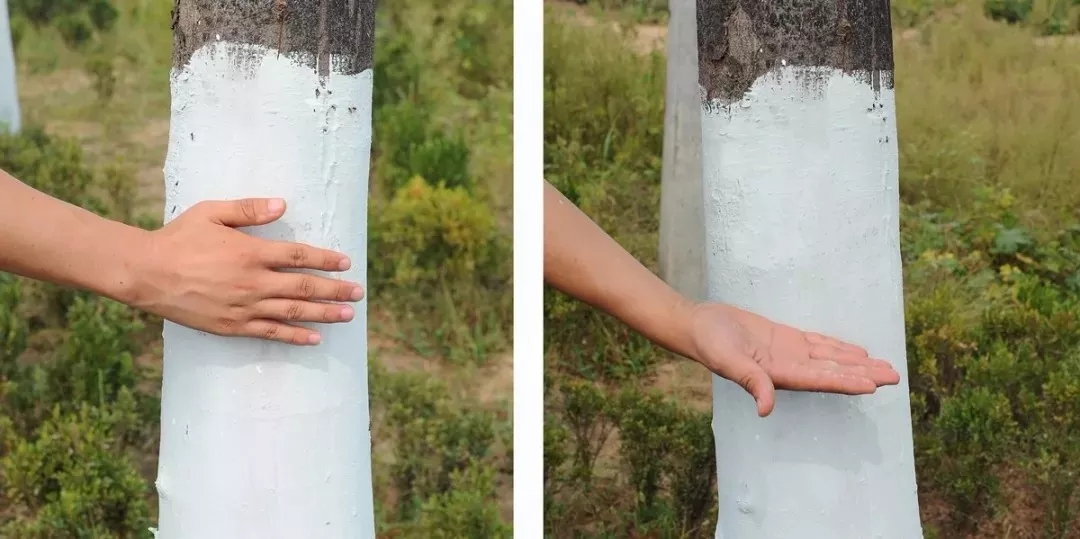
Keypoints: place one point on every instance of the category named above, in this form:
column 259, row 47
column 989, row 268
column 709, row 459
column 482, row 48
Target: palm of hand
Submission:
column 761, row 355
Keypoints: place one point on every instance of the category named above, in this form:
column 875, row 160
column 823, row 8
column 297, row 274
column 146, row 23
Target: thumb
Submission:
column 244, row 212
column 749, row 374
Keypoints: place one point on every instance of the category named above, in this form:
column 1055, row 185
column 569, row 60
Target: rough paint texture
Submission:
column 308, row 31
column 10, row 115
column 262, row 440
column 802, row 208
column 741, row 40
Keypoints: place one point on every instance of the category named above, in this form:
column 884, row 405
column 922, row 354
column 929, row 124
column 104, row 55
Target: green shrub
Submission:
column 665, row 477
column 78, row 21
column 466, row 509
column 72, row 479
column 450, row 257
column 444, row 466
column 13, row 327
column 1011, row 11
column 410, row 146
column 478, row 44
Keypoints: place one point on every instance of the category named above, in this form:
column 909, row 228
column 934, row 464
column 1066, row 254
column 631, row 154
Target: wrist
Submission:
column 120, row 275
column 686, row 314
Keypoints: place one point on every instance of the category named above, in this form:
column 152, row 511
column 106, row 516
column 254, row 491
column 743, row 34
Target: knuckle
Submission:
column 297, row 256
column 294, row 311
column 226, row 325
column 747, row 382
column 271, row 331
column 247, row 206
column 344, row 292
column 305, row 287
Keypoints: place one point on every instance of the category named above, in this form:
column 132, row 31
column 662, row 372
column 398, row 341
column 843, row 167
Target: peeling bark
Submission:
column 740, row 41
column 311, row 34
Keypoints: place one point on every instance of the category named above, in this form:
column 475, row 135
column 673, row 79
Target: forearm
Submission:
column 581, row 260
column 44, row 238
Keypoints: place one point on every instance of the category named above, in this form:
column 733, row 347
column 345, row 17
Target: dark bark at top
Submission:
column 309, row 31
column 741, row 40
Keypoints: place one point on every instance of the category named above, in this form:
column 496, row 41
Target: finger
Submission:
column 819, row 339
column 282, row 254
column 243, row 212
column 748, row 373
column 821, row 376
column 279, row 332
column 311, row 288
column 840, row 354
column 295, row 310
column 880, row 372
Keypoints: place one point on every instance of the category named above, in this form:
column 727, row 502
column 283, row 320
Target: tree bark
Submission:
column 800, row 170
column 259, row 439
column 682, row 228
column 10, row 114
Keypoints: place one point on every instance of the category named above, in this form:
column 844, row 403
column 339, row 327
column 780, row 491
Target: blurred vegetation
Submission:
column 991, row 248
column 80, row 375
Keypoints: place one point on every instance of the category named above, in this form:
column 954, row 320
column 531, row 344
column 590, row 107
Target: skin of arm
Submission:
column 197, row 271
column 581, row 260
column 50, row 240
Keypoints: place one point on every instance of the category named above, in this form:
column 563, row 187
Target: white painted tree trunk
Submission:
column 262, row 440
column 799, row 166
column 802, row 220
column 682, row 227
column 10, row 115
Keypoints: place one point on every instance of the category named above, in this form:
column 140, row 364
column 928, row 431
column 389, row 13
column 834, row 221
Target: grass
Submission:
column 438, row 272
column 987, row 114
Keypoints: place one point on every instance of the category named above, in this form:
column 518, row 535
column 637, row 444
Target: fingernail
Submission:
column 344, row 264
column 275, row 205
column 346, row 313
column 357, row 293
column 314, row 338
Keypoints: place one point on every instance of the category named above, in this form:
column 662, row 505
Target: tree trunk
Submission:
column 259, row 439
column 682, row 232
column 802, row 220
column 10, row 115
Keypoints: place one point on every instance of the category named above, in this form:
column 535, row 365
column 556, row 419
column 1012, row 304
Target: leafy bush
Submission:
column 73, row 479
column 445, row 469
column 413, row 148
column 78, row 21
column 1011, row 11
column 662, row 481
column 452, row 260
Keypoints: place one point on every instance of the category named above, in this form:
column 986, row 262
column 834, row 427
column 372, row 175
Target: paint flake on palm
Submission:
column 801, row 197
column 260, row 439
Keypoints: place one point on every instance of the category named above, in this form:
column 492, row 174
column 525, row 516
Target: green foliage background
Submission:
column 80, row 375
column 991, row 251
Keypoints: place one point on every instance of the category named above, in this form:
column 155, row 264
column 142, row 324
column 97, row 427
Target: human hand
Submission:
column 199, row 272
column 762, row 356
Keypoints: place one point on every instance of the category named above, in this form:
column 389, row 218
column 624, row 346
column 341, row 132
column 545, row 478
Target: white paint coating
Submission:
column 10, row 115
column 263, row 440
column 802, row 220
